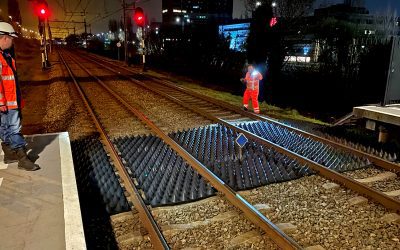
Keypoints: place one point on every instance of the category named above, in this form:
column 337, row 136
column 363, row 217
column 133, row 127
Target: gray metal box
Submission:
column 392, row 94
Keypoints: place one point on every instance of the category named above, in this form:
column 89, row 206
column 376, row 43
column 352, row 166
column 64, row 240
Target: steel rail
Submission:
column 372, row 158
column 157, row 239
column 358, row 187
column 391, row 166
column 277, row 235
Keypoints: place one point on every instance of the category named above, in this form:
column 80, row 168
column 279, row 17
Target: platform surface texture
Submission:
column 40, row 209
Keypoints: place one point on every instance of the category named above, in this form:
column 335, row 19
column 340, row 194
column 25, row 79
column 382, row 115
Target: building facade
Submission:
column 380, row 26
column 187, row 12
column 236, row 33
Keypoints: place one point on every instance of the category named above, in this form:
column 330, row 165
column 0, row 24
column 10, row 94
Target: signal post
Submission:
column 41, row 10
column 139, row 19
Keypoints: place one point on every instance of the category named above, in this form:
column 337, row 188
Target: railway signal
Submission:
column 273, row 22
column 138, row 17
column 42, row 11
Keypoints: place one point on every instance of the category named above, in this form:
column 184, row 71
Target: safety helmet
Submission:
column 7, row 29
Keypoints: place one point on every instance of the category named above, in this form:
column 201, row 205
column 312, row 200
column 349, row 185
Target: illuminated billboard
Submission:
column 236, row 34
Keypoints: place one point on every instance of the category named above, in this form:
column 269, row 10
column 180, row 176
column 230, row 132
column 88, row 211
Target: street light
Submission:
column 178, row 19
column 258, row 3
column 273, row 4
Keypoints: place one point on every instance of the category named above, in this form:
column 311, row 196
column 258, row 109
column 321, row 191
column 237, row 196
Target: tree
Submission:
column 72, row 40
column 113, row 26
column 259, row 40
column 269, row 45
column 267, row 39
column 337, row 39
column 95, row 44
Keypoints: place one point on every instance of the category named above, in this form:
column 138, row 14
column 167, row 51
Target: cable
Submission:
column 61, row 6
column 87, row 5
column 101, row 18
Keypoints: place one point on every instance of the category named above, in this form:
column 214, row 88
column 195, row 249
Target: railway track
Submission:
column 377, row 157
column 235, row 119
column 97, row 92
column 324, row 157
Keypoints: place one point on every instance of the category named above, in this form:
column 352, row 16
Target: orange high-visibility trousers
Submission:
column 253, row 94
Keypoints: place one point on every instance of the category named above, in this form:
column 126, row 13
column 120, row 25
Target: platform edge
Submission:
column 74, row 233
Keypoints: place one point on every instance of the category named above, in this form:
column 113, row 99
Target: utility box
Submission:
column 392, row 93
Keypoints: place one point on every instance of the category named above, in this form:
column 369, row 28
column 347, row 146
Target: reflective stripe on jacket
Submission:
column 8, row 85
column 253, row 80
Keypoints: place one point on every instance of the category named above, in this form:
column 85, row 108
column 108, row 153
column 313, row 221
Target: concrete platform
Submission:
column 40, row 210
column 389, row 114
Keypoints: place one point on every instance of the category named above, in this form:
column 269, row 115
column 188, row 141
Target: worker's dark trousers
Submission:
column 10, row 129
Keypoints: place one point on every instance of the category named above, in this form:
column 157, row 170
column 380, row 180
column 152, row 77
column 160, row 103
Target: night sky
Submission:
column 100, row 11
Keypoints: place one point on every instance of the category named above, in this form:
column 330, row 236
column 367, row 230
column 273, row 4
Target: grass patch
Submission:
column 266, row 109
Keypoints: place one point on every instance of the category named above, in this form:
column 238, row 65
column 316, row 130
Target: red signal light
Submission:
column 42, row 11
column 273, row 21
column 138, row 17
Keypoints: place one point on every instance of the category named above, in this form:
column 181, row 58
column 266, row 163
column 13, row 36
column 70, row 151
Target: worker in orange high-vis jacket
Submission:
column 13, row 143
column 252, row 81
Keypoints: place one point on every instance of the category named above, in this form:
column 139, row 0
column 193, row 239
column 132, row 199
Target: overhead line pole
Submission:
column 125, row 33
column 124, row 8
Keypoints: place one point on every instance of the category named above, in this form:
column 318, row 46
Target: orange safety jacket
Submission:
column 8, row 84
column 253, row 80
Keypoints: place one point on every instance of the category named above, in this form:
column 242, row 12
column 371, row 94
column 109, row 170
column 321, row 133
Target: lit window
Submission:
column 164, row 11
column 303, row 59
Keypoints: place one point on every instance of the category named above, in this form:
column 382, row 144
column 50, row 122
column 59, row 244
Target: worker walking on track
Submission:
column 13, row 143
column 252, row 81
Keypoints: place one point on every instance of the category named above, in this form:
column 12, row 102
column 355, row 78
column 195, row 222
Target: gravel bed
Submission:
column 81, row 125
column 78, row 72
column 196, row 211
column 324, row 217
column 383, row 186
column 65, row 110
column 170, row 116
column 386, row 186
column 129, row 234
column 94, row 70
column 364, row 173
column 216, row 236
column 117, row 120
